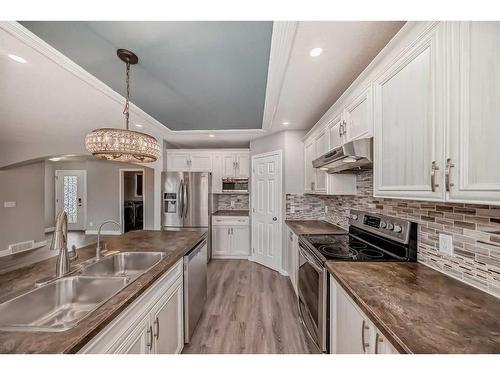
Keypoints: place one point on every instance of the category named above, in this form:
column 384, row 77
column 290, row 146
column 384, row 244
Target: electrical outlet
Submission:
column 233, row 203
column 292, row 209
column 446, row 244
column 326, row 209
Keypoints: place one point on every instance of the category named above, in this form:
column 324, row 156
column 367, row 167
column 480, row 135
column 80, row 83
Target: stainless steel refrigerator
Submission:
column 186, row 201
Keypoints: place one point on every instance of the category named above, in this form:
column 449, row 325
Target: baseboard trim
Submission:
column 50, row 229
column 104, row 232
column 230, row 257
column 36, row 245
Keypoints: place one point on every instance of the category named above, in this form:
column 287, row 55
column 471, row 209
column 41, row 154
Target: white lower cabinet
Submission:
column 231, row 237
column 351, row 332
column 153, row 324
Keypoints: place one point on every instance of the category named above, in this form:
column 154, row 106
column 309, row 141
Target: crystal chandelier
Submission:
column 123, row 144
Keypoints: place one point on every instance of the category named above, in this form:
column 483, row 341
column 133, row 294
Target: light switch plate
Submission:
column 9, row 204
column 446, row 244
column 292, row 209
column 233, row 203
column 326, row 209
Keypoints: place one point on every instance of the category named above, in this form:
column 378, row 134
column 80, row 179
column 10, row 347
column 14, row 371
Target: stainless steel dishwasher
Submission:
column 195, row 287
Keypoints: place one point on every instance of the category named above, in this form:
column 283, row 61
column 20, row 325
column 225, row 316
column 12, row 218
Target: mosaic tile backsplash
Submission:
column 475, row 229
column 223, row 201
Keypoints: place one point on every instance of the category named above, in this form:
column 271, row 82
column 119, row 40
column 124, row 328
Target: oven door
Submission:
column 312, row 297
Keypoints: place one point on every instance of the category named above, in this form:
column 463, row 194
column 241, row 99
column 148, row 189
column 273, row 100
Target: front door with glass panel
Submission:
column 70, row 196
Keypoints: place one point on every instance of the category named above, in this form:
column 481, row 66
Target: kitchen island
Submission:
column 175, row 244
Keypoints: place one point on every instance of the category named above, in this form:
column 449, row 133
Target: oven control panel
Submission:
column 387, row 226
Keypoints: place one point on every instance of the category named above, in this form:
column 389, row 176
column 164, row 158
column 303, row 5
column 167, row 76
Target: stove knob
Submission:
column 354, row 217
column 390, row 226
column 398, row 229
column 382, row 224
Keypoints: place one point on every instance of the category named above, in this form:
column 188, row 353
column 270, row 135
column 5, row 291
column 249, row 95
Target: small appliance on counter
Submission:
column 371, row 237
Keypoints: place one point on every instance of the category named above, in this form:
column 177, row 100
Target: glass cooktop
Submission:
column 345, row 247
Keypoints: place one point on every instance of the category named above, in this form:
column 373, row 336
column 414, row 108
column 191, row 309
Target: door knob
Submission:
column 275, row 218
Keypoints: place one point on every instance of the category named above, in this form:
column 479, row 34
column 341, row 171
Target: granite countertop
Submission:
column 175, row 244
column 420, row 310
column 231, row 213
column 301, row 227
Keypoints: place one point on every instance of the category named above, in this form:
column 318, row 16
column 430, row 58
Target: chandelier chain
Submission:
column 127, row 102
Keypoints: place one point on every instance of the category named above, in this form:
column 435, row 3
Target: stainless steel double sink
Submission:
column 62, row 303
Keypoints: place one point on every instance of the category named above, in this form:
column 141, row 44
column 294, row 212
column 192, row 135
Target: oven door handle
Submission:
column 313, row 263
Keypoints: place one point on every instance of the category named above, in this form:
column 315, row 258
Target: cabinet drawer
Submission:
column 230, row 220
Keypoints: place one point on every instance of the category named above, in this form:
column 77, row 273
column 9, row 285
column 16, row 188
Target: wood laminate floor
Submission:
column 250, row 309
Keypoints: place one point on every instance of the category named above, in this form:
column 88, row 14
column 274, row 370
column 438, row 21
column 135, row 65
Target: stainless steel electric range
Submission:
column 371, row 237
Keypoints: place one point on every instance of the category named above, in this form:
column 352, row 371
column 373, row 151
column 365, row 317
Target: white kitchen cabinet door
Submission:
column 359, row 117
column 322, row 146
column 240, row 241
column 242, row 165
column 200, row 162
column 353, row 331
column 177, row 162
column 228, row 165
column 168, row 322
column 139, row 341
column 408, row 129
column 217, row 173
column 310, row 174
column 474, row 126
column 382, row 345
column 335, row 133
column 221, row 241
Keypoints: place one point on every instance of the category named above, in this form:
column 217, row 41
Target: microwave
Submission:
column 235, row 185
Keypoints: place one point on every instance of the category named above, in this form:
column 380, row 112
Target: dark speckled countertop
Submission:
column 231, row 213
column 301, row 227
column 174, row 243
column 421, row 310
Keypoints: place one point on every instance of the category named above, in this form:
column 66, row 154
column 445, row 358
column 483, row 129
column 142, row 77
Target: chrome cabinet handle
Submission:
column 150, row 333
column 434, row 168
column 363, row 343
column 157, row 324
column 377, row 340
column 449, row 165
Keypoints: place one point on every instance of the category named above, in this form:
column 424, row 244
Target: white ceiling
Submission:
column 44, row 102
column 313, row 84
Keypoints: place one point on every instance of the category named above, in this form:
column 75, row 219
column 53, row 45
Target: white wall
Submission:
column 25, row 186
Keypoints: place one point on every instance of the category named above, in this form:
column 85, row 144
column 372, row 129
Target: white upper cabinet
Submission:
column 242, row 164
column 336, row 132
column 189, row 161
column 310, row 174
column 217, row 172
column 409, row 142
column 473, row 160
column 322, row 146
column 358, row 117
column 228, row 169
column 177, row 161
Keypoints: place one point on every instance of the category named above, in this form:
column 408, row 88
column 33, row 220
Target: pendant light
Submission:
column 123, row 144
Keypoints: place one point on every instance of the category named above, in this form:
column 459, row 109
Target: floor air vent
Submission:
column 21, row 246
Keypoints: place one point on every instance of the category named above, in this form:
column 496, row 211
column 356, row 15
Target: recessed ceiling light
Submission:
column 138, row 125
column 211, row 135
column 18, row 59
column 316, row 51
column 286, row 123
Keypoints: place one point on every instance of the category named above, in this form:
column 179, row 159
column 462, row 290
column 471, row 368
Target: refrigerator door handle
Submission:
column 180, row 200
column 185, row 201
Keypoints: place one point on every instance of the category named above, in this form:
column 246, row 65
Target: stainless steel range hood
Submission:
column 352, row 156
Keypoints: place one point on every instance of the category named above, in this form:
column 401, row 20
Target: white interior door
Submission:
column 71, row 196
column 266, row 209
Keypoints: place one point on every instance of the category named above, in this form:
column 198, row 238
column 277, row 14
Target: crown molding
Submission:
column 21, row 33
column 282, row 41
